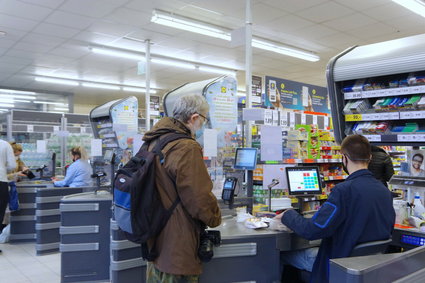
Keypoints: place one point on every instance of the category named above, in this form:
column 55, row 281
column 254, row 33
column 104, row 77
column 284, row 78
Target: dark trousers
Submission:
column 4, row 200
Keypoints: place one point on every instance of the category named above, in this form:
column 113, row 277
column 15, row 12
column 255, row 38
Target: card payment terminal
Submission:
column 229, row 189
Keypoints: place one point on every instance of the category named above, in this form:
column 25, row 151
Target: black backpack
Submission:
column 137, row 206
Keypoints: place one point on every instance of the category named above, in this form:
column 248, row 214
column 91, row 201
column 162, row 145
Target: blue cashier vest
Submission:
column 358, row 210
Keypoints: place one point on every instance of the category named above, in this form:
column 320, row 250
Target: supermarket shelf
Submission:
column 396, row 152
column 405, row 137
column 333, row 178
column 292, row 161
column 385, row 92
column 418, row 114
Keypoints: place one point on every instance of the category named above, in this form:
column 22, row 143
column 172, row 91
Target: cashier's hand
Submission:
column 54, row 179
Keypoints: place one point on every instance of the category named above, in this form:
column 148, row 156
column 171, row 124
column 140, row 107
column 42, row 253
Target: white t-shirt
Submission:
column 7, row 160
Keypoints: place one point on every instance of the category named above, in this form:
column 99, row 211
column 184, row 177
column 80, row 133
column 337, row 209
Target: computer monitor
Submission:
column 303, row 180
column 245, row 158
column 109, row 154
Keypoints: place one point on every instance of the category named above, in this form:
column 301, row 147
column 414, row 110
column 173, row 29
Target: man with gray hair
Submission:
column 183, row 174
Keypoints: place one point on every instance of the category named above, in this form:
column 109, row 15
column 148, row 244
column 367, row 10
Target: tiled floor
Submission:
column 20, row 264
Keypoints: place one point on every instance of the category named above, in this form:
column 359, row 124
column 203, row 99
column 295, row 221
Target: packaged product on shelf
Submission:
column 402, row 102
column 421, row 102
column 394, row 102
column 416, row 80
column 393, row 84
column 413, row 101
column 378, row 104
column 347, row 107
column 403, row 83
column 382, row 128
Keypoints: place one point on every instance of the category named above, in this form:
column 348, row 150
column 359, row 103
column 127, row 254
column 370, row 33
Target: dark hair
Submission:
column 357, row 148
column 418, row 154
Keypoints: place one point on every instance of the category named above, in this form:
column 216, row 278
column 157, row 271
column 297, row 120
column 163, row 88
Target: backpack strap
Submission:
column 162, row 142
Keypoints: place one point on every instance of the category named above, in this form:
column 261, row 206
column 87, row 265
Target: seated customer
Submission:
column 358, row 210
column 78, row 173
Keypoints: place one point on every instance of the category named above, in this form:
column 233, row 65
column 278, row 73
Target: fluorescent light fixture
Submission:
column 61, row 108
column 2, row 90
column 49, row 103
column 4, row 110
column 216, row 70
column 22, row 101
column 116, row 53
column 172, row 63
column 241, row 94
column 6, row 100
column 7, row 105
column 138, row 89
column 416, row 6
column 103, row 86
column 56, row 81
column 14, row 96
column 285, row 50
column 186, row 24
column 179, row 22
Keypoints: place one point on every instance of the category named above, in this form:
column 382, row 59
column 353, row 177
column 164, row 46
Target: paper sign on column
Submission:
column 326, row 121
column 275, row 171
column 83, row 130
column 30, row 128
column 96, row 147
column 41, row 146
column 137, row 143
column 275, row 118
column 314, row 119
column 56, row 128
column 268, row 117
column 210, row 143
column 271, row 143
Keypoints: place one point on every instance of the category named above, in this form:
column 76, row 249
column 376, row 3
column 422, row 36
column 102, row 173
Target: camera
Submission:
column 208, row 239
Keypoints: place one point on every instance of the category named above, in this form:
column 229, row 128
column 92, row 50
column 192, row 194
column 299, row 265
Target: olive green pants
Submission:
column 153, row 275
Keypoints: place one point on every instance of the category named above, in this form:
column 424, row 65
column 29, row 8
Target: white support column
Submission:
column 248, row 68
column 148, row 84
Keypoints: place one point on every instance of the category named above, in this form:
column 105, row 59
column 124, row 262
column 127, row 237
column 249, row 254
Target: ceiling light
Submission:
column 186, row 24
column 241, row 94
column 116, row 53
column 23, row 101
column 103, row 86
column 49, row 102
column 216, row 70
column 179, row 22
column 7, row 105
column 285, row 50
column 2, row 96
column 61, row 108
column 172, row 63
column 416, row 6
column 138, row 89
column 56, row 81
column 7, row 100
column 3, row 90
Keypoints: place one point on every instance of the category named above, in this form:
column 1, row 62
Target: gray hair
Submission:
column 186, row 106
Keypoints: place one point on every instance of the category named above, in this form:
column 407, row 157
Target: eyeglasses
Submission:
column 205, row 118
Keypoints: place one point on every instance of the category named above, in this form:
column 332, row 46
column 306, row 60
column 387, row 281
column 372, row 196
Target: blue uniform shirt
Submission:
column 77, row 175
column 357, row 210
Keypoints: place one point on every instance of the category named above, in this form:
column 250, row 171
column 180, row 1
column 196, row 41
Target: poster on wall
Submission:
column 286, row 94
column 256, row 89
column 154, row 105
column 415, row 161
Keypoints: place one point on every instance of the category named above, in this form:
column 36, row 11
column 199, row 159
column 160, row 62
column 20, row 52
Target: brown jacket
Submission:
column 184, row 166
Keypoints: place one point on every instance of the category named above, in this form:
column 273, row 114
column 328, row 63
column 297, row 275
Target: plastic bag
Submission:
column 13, row 197
column 4, row 236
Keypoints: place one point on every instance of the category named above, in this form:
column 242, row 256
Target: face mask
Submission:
column 199, row 132
column 344, row 165
column 17, row 157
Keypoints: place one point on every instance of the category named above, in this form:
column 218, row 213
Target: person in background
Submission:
column 358, row 210
column 79, row 172
column 381, row 165
column 182, row 175
column 7, row 163
column 21, row 170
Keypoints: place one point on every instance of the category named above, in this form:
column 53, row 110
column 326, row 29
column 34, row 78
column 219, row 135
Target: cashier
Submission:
column 78, row 173
column 358, row 210
column 21, row 170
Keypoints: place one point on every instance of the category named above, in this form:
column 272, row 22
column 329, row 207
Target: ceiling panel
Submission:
column 93, row 8
column 55, row 30
column 325, row 12
column 45, row 3
column 294, row 5
column 14, row 22
column 24, row 10
column 361, row 5
column 350, row 22
column 387, row 11
column 62, row 18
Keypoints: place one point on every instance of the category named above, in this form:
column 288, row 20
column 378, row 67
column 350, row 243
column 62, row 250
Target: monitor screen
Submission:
column 108, row 155
column 246, row 158
column 303, row 180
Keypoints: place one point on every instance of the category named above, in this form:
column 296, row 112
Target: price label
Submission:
column 418, row 115
column 303, row 119
column 416, row 89
column 56, row 128
column 348, row 95
column 30, row 128
column 403, row 138
column 275, row 117
column 373, row 138
column 420, row 138
column 283, row 118
column 405, row 90
column 291, row 119
column 405, row 115
column 353, row 117
column 422, row 88
column 393, row 116
column 83, row 130
column 357, row 94
column 268, row 117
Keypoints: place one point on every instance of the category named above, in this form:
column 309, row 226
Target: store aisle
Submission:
column 19, row 264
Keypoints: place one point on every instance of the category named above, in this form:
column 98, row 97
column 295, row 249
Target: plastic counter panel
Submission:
column 22, row 221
